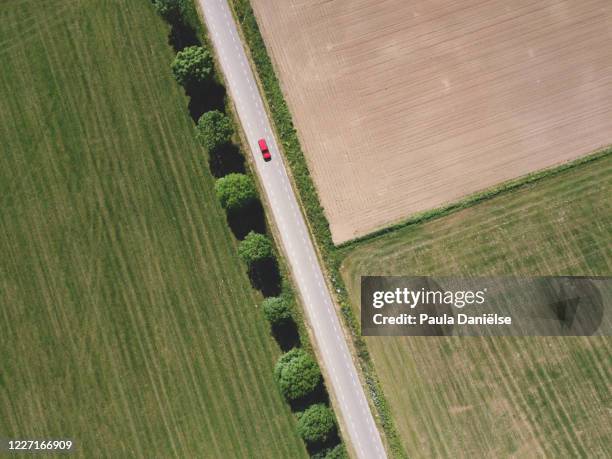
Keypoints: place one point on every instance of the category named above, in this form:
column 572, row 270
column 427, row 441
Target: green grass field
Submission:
column 127, row 320
column 478, row 397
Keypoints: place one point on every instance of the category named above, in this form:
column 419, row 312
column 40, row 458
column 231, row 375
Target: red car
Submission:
column 263, row 146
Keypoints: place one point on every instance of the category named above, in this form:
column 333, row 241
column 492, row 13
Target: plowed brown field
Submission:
column 402, row 106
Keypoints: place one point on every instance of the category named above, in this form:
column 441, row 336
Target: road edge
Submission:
column 325, row 248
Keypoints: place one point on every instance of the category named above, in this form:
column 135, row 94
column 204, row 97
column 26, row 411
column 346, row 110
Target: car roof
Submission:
column 262, row 143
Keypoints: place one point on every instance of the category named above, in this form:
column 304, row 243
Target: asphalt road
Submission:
column 336, row 358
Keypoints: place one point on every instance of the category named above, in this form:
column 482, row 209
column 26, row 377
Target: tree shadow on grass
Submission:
column 251, row 218
column 226, row 160
column 266, row 277
column 319, row 395
column 286, row 335
column 319, row 450
column 182, row 35
column 204, row 97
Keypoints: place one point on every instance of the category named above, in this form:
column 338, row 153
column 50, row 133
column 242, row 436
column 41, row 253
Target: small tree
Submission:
column 338, row 452
column 193, row 64
column 214, row 130
column 317, row 424
column 170, row 10
column 235, row 191
column 255, row 247
column 297, row 374
column 277, row 310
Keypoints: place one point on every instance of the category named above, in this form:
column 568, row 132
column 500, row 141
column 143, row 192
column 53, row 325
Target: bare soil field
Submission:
column 402, row 106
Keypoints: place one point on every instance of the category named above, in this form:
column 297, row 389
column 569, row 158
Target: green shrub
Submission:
column 170, row 10
column 192, row 65
column 255, row 247
column 297, row 374
column 235, row 191
column 338, row 452
column 317, row 424
column 214, row 130
column 277, row 310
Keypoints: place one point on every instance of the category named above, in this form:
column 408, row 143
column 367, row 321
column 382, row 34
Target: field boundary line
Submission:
column 505, row 187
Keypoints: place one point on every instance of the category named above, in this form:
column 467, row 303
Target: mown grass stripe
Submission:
column 119, row 263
